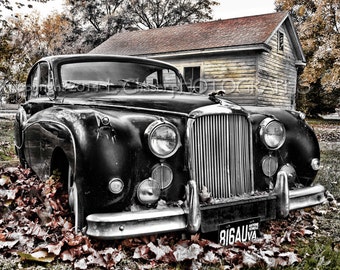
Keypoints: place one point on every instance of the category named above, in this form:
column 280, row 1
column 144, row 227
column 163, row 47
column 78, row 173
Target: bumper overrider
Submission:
column 193, row 217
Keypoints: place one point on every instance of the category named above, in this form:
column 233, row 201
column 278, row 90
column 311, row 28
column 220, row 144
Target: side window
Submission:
column 40, row 81
column 191, row 77
column 33, row 92
column 170, row 80
column 43, row 73
column 164, row 79
column 152, row 79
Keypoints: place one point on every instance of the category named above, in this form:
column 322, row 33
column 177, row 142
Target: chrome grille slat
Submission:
column 221, row 154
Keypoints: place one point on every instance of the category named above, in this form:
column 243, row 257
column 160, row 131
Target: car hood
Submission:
column 170, row 102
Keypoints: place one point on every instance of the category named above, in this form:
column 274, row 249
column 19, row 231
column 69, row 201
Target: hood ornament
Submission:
column 216, row 97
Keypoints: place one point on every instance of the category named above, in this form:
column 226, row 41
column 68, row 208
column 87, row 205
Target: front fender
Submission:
column 301, row 145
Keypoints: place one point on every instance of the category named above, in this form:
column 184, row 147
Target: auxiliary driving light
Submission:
column 116, row 185
column 148, row 191
column 163, row 174
column 269, row 165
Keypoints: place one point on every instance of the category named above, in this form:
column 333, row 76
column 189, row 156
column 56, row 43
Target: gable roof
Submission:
column 253, row 32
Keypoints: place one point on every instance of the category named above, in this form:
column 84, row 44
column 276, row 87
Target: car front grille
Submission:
column 220, row 154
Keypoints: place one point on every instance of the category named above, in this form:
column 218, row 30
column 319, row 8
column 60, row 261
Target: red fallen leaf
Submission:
column 54, row 205
column 2, row 236
column 242, row 245
column 214, row 245
column 44, row 215
column 195, row 238
column 73, row 240
column 5, row 180
column 8, row 244
column 96, row 259
column 210, row 257
column 67, row 256
column 142, row 252
column 292, row 257
column 159, row 251
column 55, row 248
column 111, row 257
column 250, row 259
column 67, row 226
column 36, row 230
column 191, row 252
column 81, row 264
column 9, row 194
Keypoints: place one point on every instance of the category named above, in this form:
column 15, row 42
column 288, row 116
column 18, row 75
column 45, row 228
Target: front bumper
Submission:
column 193, row 217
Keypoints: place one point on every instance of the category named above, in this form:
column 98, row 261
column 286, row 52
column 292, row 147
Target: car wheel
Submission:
column 77, row 206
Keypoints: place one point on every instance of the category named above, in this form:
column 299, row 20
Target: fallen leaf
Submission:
column 38, row 256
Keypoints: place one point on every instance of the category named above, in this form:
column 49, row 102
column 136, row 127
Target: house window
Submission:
column 192, row 77
column 281, row 38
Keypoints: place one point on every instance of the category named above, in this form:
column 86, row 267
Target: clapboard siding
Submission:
column 277, row 74
column 252, row 77
column 235, row 74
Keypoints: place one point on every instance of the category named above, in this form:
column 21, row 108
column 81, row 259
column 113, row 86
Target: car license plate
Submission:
column 241, row 231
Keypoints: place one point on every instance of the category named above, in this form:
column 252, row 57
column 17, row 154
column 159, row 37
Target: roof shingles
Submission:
column 199, row 36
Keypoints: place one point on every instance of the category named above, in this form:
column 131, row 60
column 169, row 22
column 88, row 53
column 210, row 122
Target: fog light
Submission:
column 149, row 191
column 315, row 164
column 163, row 174
column 290, row 171
column 116, row 185
column 269, row 165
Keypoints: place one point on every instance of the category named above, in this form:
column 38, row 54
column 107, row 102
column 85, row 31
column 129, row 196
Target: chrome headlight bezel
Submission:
column 166, row 145
column 270, row 140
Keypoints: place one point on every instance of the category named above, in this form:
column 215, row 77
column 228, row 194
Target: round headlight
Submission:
column 163, row 138
column 149, row 191
column 272, row 133
column 163, row 174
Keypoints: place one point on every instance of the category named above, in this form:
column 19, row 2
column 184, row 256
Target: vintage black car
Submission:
column 139, row 154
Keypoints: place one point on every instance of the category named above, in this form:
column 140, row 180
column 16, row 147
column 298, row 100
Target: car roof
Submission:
column 57, row 59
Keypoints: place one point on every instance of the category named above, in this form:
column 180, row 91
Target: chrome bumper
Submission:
column 131, row 224
column 296, row 199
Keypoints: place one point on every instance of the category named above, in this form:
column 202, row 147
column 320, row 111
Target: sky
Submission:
column 226, row 9
column 240, row 8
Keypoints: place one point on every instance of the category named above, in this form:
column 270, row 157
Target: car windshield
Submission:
column 116, row 76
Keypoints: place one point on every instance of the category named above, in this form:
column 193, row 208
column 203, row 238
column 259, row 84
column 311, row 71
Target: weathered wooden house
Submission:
column 254, row 60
